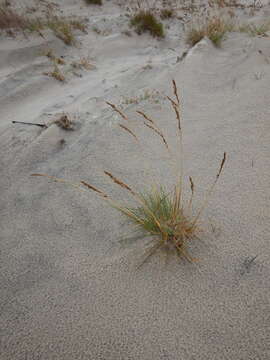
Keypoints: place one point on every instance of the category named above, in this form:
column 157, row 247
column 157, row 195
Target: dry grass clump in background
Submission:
column 255, row 4
column 164, row 216
column 62, row 28
column 50, row 55
column 64, row 122
column 56, row 73
column 255, row 30
column 78, row 25
column 151, row 95
column 83, row 63
column 214, row 28
column 167, row 13
column 93, row 2
column 9, row 19
column 145, row 21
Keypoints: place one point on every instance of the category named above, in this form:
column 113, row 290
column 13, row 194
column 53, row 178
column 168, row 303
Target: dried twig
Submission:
column 26, row 123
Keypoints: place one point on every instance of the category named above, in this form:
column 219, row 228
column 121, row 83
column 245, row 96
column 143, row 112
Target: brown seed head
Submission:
column 119, row 182
column 128, row 130
column 123, row 116
column 91, row 187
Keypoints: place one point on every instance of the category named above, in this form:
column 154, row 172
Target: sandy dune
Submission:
column 69, row 289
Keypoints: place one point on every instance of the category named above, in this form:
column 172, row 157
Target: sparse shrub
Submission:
column 145, row 21
column 214, row 28
column 162, row 215
column 93, row 2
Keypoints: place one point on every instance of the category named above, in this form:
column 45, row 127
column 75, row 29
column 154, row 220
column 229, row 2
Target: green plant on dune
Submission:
column 145, row 21
column 166, row 217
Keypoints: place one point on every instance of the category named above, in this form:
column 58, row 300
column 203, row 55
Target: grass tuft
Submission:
column 56, row 73
column 145, row 21
column 9, row 19
column 166, row 14
column 167, row 217
column 62, row 28
column 214, row 28
column 64, row 122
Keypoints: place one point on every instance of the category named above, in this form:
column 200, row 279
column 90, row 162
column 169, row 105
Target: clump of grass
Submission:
column 93, row 2
column 214, row 28
column 83, row 63
column 64, row 122
column 62, row 29
column 166, row 217
column 56, row 73
column 166, row 13
column 78, row 25
column 145, row 21
column 50, row 55
column 9, row 19
column 255, row 30
column 150, row 95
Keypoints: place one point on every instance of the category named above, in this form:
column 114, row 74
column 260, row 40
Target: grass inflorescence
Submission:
column 167, row 217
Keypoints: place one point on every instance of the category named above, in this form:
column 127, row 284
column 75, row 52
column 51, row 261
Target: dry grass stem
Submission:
column 119, row 182
column 91, row 187
column 158, row 133
column 128, row 130
column 211, row 189
column 145, row 116
column 123, row 116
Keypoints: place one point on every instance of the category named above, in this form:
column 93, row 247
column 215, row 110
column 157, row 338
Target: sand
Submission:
column 69, row 289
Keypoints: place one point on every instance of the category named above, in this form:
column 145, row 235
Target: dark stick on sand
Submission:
column 26, row 123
